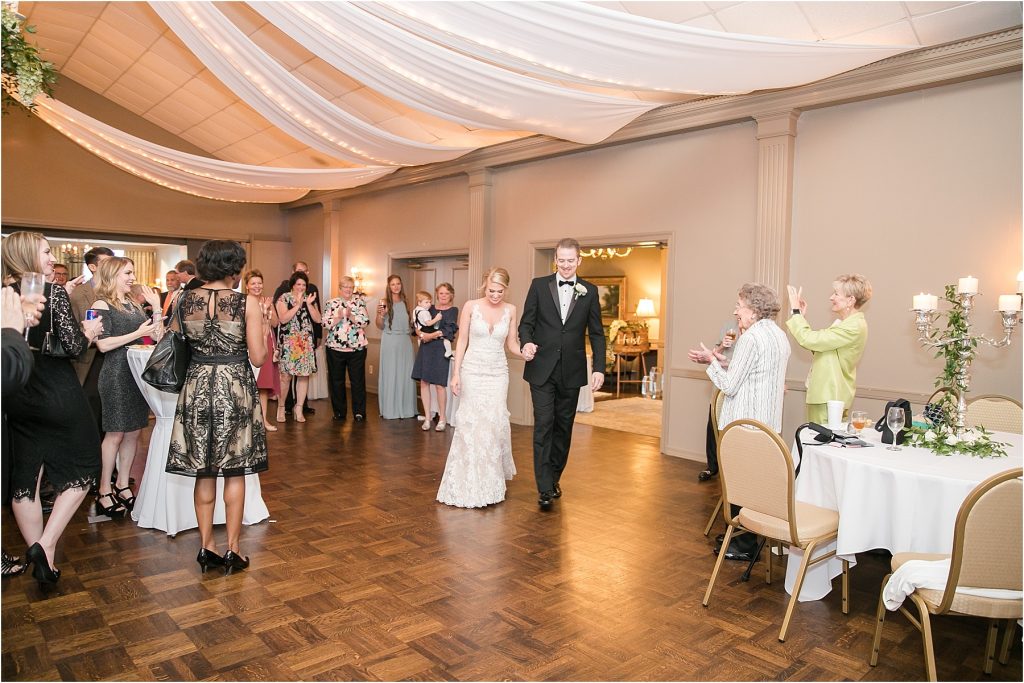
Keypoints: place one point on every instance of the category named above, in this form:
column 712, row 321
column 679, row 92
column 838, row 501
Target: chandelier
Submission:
column 70, row 253
column 606, row 253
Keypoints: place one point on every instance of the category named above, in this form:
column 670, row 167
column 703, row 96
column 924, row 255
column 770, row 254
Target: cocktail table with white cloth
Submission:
column 902, row 501
column 164, row 501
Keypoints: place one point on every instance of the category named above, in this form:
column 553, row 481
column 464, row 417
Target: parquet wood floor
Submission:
column 362, row 576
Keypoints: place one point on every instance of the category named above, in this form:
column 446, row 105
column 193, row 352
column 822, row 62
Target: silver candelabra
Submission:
column 925, row 307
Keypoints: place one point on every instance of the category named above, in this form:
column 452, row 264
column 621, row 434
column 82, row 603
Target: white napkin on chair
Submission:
column 916, row 574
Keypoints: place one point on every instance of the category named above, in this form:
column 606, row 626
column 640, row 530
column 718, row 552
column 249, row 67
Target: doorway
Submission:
column 427, row 272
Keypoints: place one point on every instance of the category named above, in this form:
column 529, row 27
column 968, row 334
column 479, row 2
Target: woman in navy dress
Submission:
column 431, row 367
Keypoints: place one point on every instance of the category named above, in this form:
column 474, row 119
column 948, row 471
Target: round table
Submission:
column 902, row 501
column 164, row 501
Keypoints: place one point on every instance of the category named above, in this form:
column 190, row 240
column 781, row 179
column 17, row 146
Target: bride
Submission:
column 480, row 459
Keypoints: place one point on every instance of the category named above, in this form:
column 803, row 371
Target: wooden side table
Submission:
column 623, row 351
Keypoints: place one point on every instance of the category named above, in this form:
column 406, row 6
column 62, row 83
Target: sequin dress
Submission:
column 124, row 407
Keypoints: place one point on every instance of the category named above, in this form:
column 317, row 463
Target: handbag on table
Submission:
column 168, row 363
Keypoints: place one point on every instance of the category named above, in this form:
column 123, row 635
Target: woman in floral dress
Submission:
column 298, row 315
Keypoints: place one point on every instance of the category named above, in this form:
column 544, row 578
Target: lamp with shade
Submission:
column 645, row 310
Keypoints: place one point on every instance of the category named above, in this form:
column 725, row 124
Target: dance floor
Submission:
column 360, row 575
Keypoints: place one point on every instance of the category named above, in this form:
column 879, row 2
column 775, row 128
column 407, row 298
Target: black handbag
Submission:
column 168, row 364
column 908, row 421
column 51, row 345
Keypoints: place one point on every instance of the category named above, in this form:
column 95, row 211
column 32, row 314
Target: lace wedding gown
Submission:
column 480, row 459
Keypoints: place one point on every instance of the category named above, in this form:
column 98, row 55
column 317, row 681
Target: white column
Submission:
column 333, row 262
column 481, row 221
column 776, row 135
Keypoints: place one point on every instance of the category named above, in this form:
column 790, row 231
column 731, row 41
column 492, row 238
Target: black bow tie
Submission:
column 565, row 282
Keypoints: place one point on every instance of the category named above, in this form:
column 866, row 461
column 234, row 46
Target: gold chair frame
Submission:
column 792, row 537
column 717, row 398
column 949, row 603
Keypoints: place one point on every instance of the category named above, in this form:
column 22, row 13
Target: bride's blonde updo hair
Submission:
column 498, row 276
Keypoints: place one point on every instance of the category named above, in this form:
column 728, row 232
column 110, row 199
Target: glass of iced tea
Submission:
column 859, row 420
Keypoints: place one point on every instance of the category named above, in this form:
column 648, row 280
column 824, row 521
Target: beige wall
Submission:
column 49, row 181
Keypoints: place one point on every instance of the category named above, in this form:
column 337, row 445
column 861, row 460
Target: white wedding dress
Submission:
column 480, row 459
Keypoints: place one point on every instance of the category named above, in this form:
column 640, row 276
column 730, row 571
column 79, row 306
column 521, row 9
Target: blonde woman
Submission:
column 480, row 458
column 124, row 412
column 50, row 424
column 268, row 381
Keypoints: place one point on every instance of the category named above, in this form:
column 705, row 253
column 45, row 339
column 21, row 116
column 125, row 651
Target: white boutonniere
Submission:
column 579, row 290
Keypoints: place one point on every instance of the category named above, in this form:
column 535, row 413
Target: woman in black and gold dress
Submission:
column 218, row 424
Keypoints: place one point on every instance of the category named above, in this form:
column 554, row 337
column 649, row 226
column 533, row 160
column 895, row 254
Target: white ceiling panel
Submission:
column 839, row 19
column 673, row 12
column 175, row 55
column 129, row 97
column 981, row 17
column 708, row 22
column 139, row 22
column 325, row 79
column 899, row 33
column 915, row 8
column 83, row 74
column 367, row 105
column 403, row 127
column 778, row 19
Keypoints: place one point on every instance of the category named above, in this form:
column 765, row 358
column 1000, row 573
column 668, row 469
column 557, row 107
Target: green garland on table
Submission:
column 25, row 73
column 939, row 437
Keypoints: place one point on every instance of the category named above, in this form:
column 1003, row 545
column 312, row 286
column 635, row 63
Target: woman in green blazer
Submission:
column 837, row 349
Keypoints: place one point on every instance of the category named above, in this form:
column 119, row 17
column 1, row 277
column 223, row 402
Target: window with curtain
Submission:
column 145, row 265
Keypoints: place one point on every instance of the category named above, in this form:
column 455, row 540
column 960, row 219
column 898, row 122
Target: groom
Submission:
column 559, row 310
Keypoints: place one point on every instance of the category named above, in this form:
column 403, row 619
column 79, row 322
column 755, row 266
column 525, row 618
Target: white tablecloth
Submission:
column 585, row 403
column 164, row 501
column 903, row 501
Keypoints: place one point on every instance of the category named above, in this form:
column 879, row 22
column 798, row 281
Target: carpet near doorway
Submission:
column 636, row 415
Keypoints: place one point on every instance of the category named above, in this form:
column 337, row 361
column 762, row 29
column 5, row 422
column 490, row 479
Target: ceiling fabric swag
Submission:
column 587, row 44
column 288, row 103
column 196, row 175
column 447, row 84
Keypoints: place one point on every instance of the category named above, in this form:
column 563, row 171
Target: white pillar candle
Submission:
column 1009, row 302
column 926, row 302
column 968, row 285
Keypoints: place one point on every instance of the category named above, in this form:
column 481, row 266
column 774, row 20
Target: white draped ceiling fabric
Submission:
column 291, row 105
column 196, row 175
column 445, row 83
column 500, row 65
column 590, row 45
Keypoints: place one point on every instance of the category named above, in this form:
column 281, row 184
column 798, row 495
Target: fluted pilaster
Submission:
column 776, row 135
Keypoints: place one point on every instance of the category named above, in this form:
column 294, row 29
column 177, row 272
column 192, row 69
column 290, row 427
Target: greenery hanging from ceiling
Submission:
column 25, row 73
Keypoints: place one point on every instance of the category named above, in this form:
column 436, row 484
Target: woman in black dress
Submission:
column 51, row 426
column 125, row 411
column 431, row 366
column 218, row 424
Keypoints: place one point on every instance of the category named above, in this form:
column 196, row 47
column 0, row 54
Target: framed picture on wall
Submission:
column 611, row 293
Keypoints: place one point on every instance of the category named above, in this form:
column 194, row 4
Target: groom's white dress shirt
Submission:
column 565, row 293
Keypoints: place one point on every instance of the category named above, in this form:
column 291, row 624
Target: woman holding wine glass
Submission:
column 396, row 392
column 835, row 350
column 268, row 381
column 51, row 426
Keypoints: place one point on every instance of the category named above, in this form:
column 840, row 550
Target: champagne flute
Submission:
column 895, row 418
column 32, row 288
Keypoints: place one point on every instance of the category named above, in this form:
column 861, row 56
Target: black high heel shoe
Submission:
column 233, row 561
column 127, row 503
column 41, row 570
column 115, row 511
column 208, row 558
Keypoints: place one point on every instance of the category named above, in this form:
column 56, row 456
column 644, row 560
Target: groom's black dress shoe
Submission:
column 557, row 493
column 706, row 474
column 544, row 501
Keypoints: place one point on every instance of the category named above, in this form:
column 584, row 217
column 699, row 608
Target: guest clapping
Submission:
column 345, row 321
column 125, row 411
column 51, row 426
column 268, row 381
column 835, row 350
column 298, row 315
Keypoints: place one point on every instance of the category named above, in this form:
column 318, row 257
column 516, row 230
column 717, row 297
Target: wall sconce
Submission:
column 357, row 277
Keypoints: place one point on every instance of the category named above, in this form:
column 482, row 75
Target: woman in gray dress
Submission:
column 395, row 391
column 124, row 412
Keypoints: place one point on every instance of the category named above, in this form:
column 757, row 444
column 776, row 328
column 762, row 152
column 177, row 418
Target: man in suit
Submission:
column 171, row 280
column 318, row 330
column 187, row 279
column 560, row 310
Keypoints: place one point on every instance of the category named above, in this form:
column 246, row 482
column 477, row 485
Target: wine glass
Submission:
column 895, row 418
column 859, row 420
column 32, row 288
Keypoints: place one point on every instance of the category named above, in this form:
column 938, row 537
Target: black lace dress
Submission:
column 49, row 420
column 218, row 424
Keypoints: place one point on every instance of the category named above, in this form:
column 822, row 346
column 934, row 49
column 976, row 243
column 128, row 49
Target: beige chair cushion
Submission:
column 996, row 414
column 972, row 605
column 811, row 522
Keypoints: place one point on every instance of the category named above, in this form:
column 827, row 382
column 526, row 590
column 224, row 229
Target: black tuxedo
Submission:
column 559, row 369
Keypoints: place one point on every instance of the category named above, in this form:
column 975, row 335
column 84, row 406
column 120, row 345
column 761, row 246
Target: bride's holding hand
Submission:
column 480, row 458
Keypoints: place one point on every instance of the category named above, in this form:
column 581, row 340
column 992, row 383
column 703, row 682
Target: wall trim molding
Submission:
column 979, row 57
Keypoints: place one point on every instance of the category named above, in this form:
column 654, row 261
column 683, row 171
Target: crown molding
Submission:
column 979, row 57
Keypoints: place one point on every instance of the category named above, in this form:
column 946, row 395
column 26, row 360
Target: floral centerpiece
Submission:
column 25, row 73
column 941, row 435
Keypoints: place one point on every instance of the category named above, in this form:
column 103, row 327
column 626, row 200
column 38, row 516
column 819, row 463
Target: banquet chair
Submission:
column 995, row 412
column 981, row 558
column 756, row 470
column 717, row 398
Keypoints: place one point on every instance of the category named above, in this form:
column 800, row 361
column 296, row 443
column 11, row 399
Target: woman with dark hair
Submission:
column 432, row 364
column 298, row 315
column 396, row 392
column 125, row 412
column 218, row 424
column 51, row 426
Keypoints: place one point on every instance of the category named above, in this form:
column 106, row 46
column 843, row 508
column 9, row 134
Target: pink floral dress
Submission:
column 298, row 354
